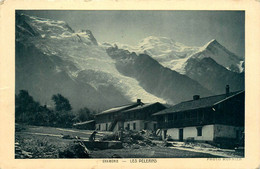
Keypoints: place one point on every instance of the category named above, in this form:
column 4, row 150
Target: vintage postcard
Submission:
column 90, row 84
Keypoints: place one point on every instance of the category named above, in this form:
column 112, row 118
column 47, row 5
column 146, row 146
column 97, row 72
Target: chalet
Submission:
column 136, row 116
column 218, row 118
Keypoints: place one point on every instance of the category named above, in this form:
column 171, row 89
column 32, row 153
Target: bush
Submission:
column 190, row 140
column 74, row 150
column 34, row 148
column 137, row 137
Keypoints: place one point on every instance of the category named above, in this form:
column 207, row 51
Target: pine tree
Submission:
column 61, row 103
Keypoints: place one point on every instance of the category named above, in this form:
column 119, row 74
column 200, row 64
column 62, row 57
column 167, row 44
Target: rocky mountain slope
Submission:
column 52, row 58
column 155, row 78
column 213, row 76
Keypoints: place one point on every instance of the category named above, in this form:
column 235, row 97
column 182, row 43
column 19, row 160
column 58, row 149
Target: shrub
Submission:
column 74, row 150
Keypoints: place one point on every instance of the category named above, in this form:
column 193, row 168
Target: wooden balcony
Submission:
column 183, row 123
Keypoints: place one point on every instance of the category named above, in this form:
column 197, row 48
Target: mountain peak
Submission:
column 28, row 26
column 212, row 42
column 220, row 54
column 42, row 26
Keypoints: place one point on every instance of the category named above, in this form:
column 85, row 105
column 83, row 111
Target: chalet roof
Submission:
column 142, row 106
column 128, row 108
column 119, row 108
column 84, row 122
column 197, row 104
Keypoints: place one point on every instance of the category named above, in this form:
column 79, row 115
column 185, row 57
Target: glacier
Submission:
column 53, row 37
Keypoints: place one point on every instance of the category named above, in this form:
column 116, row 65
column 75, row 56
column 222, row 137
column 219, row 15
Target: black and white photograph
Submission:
column 138, row 84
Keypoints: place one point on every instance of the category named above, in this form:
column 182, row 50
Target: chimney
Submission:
column 196, row 97
column 227, row 90
column 138, row 101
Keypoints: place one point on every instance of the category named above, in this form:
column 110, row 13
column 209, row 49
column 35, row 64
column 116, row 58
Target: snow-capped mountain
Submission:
column 174, row 55
column 167, row 52
column 154, row 77
column 221, row 55
column 53, row 58
column 212, row 65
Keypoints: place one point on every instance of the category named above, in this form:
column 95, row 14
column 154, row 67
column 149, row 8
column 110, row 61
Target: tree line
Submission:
column 29, row 111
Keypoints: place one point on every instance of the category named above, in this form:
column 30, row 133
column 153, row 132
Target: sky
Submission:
column 192, row 28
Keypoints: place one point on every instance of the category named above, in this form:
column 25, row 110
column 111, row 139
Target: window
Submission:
column 106, row 126
column 199, row 131
column 99, row 127
column 134, row 126
column 128, row 126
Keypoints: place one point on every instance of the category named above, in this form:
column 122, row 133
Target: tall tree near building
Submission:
column 63, row 114
column 85, row 114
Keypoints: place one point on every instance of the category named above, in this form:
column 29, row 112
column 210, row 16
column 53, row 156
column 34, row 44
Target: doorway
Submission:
column 164, row 134
column 181, row 134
